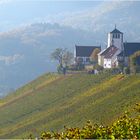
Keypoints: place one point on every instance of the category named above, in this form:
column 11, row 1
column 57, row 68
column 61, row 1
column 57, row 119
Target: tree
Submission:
column 63, row 56
column 94, row 56
column 58, row 55
column 67, row 58
column 134, row 64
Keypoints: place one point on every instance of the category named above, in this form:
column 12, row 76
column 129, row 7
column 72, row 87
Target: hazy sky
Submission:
column 14, row 13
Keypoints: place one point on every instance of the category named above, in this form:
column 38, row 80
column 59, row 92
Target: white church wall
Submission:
column 107, row 63
column 99, row 60
column 109, row 40
column 118, row 42
column 114, row 58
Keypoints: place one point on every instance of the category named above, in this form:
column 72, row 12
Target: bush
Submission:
column 72, row 67
column 134, row 62
column 138, row 69
column 126, row 70
column 80, row 66
column 112, row 71
column 98, row 67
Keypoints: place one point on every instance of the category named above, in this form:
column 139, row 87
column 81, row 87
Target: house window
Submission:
column 87, row 60
column 80, row 59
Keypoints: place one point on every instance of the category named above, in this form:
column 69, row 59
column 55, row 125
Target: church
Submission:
column 117, row 51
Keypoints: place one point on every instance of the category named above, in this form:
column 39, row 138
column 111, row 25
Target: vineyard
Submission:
column 53, row 101
column 125, row 127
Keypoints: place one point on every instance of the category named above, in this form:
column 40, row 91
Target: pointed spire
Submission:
column 115, row 26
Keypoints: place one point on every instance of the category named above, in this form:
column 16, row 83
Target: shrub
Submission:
column 126, row 70
column 125, row 127
column 134, row 62
column 98, row 67
column 112, row 71
column 80, row 66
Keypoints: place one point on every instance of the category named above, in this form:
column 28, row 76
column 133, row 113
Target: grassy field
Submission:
column 52, row 101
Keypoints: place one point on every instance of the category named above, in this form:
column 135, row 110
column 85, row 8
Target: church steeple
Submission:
column 115, row 26
column 115, row 38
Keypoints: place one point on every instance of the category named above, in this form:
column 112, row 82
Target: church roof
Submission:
column 116, row 31
column 85, row 51
column 120, row 54
column 130, row 48
column 109, row 52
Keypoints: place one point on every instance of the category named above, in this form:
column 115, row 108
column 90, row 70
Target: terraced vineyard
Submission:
column 52, row 101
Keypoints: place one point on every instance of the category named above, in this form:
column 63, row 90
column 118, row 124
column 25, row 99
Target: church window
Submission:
column 118, row 35
column 87, row 59
column 80, row 59
column 113, row 36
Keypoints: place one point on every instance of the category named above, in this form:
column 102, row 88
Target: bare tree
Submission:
column 58, row 55
column 63, row 56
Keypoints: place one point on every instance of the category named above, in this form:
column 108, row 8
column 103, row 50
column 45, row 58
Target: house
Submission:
column 82, row 54
column 129, row 48
column 117, row 51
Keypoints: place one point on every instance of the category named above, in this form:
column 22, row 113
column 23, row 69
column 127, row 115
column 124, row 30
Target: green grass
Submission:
column 52, row 101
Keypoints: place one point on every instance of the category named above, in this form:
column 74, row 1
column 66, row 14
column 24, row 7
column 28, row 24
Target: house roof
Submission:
column 130, row 48
column 110, row 51
column 85, row 51
column 116, row 31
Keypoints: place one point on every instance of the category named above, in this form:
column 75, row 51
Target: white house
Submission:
column 82, row 54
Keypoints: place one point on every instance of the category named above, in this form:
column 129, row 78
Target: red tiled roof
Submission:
column 109, row 52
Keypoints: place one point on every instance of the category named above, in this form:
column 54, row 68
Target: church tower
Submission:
column 115, row 38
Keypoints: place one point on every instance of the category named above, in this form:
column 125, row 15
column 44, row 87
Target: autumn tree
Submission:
column 134, row 62
column 94, row 56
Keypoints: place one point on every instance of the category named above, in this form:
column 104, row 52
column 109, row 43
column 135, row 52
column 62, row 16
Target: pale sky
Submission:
column 18, row 13
column 14, row 13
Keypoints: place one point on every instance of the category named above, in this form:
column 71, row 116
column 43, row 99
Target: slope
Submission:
column 53, row 101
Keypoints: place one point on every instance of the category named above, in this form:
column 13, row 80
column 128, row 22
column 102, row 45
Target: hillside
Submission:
column 52, row 101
